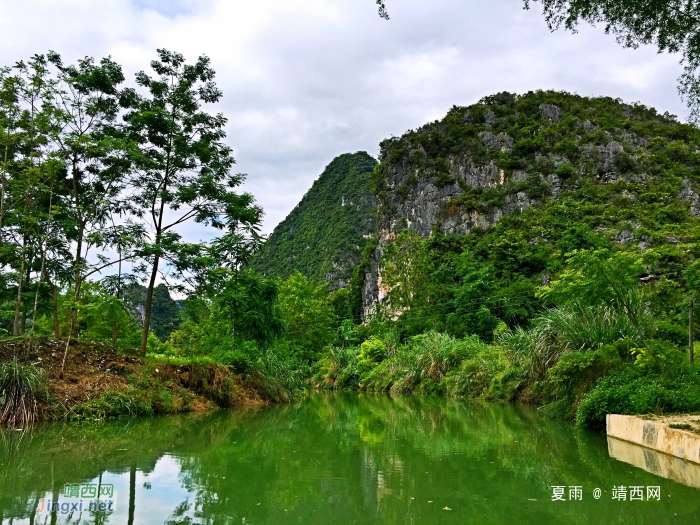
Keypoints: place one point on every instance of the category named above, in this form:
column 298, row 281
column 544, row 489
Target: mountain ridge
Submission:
column 324, row 235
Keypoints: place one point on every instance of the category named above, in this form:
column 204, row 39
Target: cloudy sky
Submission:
column 307, row 80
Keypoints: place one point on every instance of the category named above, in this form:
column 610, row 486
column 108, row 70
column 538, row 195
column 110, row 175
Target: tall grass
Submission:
column 571, row 345
column 575, row 327
column 20, row 386
column 277, row 377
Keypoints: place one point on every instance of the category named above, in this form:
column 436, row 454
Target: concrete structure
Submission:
column 663, row 465
column 655, row 435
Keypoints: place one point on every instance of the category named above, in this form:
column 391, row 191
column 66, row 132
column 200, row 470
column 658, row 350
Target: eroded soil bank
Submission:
column 99, row 382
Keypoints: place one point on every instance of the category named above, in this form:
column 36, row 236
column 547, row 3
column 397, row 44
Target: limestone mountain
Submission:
column 515, row 182
column 324, row 235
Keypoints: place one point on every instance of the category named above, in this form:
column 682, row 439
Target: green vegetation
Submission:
column 568, row 289
column 670, row 26
column 579, row 301
column 325, row 233
column 20, row 385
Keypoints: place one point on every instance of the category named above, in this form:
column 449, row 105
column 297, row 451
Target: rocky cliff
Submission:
column 509, row 153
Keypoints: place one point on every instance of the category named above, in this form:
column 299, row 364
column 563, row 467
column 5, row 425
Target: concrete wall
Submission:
column 655, row 435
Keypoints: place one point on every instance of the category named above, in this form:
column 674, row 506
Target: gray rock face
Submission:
column 609, row 152
column 631, row 196
column 550, row 111
column 687, row 193
column 427, row 207
column 587, row 126
column 632, row 139
column 423, row 207
column 604, row 156
column 502, row 141
column 624, row 237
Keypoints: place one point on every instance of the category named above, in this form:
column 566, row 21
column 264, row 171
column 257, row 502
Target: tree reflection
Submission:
column 333, row 458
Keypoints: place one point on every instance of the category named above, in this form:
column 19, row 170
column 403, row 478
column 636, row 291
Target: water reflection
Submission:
column 335, row 458
column 663, row 465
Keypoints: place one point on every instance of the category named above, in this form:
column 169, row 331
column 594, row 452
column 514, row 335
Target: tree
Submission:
column 31, row 170
column 670, row 25
column 249, row 301
column 87, row 103
column 308, row 316
column 599, row 276
column 405, row 272
column 9, row 124
column 383, row 13
column 182, row 166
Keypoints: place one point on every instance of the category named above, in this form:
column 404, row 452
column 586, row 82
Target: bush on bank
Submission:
column 577, row 363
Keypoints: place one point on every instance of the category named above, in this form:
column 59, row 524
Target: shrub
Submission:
column 112, row 404
column 437, row 354
column 277, row 376
column 578, row 327
column 576, row 373
column 20, row 386
column 636, row 390
column 474, row 375
column 372, row 351
column 565, row 170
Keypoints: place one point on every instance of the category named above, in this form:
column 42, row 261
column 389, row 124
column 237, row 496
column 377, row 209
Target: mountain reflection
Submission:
column 334, row 458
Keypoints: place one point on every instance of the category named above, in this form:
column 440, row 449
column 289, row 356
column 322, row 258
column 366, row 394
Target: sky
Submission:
column 307, row 80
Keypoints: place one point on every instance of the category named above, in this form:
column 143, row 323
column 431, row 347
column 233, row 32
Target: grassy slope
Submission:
column 323, row 236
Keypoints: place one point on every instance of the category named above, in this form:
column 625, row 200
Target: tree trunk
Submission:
column 149, row 300
column 78, row 282
column 23, row 320
column 36, row 294
column 18, row 301
column 3, row 185
column 33, row 514
column 54, row 513
column 54, row 306
column 2, row 210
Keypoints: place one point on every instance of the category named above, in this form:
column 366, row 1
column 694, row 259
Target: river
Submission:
column 332, row 458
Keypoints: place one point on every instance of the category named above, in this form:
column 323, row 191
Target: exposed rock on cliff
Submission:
column 508, row 153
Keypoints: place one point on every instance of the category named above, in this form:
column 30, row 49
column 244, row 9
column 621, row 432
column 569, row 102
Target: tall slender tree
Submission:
column 9, row 122
column 182, row 166
column 91, row 144
column 31, row 171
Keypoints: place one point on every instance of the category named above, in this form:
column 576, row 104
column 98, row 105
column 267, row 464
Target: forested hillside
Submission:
column 541, row 247
column 494, row 197
column 324, row 235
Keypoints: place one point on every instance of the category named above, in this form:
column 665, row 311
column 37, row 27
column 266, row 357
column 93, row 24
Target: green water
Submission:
column 334, row 458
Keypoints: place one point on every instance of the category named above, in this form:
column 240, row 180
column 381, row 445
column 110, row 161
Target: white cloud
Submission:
column 307, row 80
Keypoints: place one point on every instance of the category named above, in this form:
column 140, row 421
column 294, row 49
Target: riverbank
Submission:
column 98, row 382
column 677, row 436
column 532, row 367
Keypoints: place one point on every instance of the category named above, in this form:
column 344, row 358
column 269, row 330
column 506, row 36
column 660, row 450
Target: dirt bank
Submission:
column 99, row 382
